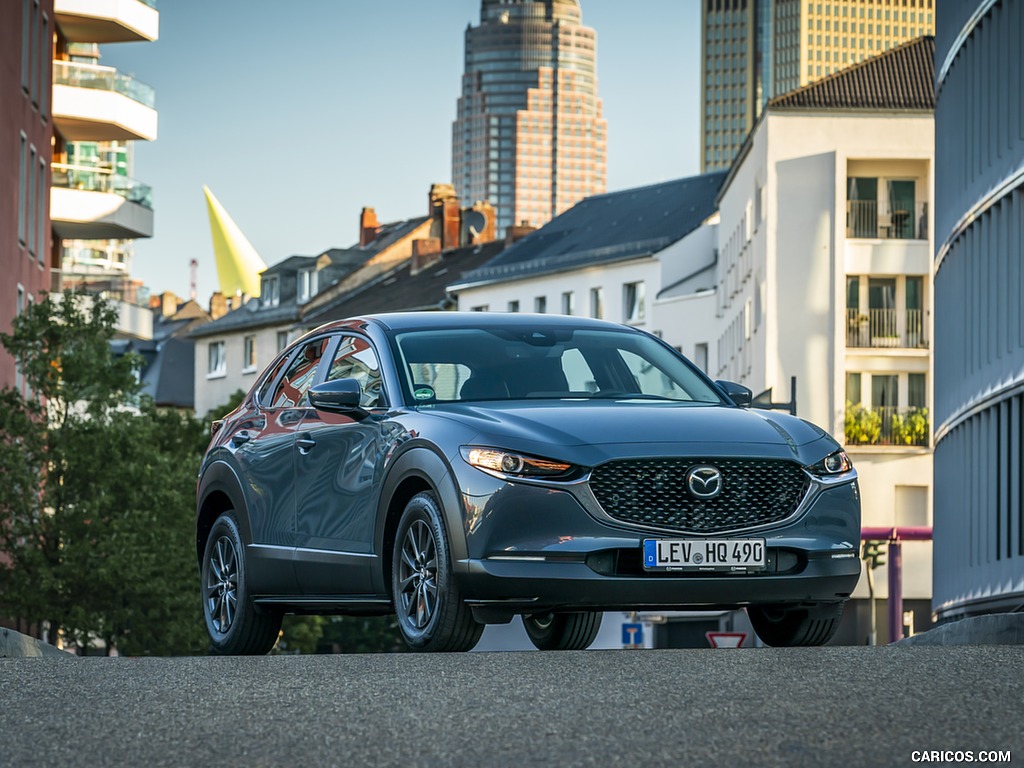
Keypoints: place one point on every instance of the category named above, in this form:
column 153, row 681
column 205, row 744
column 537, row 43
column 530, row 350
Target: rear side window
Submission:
column 263, row 396
column 299, row 376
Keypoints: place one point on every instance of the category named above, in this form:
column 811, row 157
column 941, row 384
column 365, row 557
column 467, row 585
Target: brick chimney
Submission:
column 218, row 305
column 445, row 215
column 168, row 304
column 518, row 232
column 424, row 253
column 368, row 226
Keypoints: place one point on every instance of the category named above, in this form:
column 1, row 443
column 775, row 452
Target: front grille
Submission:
column 653, row 493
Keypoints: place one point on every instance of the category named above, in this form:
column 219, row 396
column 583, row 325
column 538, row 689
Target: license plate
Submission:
column 731, row 555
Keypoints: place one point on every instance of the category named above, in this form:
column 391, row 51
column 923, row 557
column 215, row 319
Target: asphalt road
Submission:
column 756, row 707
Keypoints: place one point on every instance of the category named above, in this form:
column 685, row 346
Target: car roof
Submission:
column 409, row 321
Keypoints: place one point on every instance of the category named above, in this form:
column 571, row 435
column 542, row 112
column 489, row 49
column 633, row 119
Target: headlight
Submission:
column 834, row 464
column 513, row 464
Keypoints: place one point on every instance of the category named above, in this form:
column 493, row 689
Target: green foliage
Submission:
column 862, row 426
column 98, row 498
column 910, row 428
column 361, row 634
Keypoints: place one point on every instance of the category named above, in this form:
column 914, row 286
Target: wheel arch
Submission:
column 415, row 471
column 219, row 491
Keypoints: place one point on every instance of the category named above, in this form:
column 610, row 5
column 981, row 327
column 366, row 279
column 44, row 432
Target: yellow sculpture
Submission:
column 238, row 264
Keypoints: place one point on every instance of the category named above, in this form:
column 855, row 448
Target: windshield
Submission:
column 527, row 363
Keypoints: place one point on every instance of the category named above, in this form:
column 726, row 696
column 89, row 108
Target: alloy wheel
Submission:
column 222, row 584
column 418, row 575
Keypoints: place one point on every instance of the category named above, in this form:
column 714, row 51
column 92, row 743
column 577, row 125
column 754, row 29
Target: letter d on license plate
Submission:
column 733, row 555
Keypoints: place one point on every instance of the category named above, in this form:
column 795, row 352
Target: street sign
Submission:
column 632, row 635
column 726, row 639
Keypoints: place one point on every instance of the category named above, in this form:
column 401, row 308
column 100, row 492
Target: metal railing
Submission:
column 867, row 219
column 91, row 179
column 886, row 426
column 79, row 75
column 886, row 328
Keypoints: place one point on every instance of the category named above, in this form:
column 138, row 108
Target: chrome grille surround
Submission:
column 652, row 493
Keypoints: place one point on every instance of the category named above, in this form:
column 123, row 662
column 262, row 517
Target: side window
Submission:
column 263, row 398
column 355, row 359
column 299, row 376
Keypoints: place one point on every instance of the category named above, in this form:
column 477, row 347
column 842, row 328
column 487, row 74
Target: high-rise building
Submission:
column 754, row 50
column 979, row 310
column 529, row 137
column 97, row 208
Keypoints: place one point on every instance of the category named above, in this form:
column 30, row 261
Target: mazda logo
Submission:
column 704, row 482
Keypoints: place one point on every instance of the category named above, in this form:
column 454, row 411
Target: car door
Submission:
column 338, row 467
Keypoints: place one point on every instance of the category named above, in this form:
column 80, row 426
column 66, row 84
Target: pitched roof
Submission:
column 401, row 291
column 901, row 78
column 604, row 228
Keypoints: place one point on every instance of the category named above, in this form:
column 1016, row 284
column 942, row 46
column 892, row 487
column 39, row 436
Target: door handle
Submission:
column 306, row 444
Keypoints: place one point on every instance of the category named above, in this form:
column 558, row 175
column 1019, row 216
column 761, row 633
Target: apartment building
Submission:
column 98, row 209
column 824, row 273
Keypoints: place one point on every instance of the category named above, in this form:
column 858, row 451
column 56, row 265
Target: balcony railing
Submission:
column 80, row 75
column 868, row 219
column 92, row 179
column 886, row 426
column 886, row 328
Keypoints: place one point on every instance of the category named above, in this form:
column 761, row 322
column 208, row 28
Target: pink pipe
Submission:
column 901, row 533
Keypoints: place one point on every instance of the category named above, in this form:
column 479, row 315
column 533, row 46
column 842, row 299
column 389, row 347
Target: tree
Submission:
column 96, row 490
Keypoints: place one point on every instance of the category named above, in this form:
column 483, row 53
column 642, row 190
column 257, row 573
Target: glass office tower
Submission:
column 529, row 136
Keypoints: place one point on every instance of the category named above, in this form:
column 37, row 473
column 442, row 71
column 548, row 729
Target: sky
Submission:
column 298, row 113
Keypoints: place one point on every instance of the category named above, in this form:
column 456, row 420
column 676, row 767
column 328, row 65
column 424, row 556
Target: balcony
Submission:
column 108, row 21
column 868, row 219
column 95, row 103
column 89, row 203
column 886, row 426
column 886, row 328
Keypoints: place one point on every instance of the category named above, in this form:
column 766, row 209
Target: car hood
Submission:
column 590, row 431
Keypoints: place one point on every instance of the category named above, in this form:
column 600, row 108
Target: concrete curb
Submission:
column 14, row 645
column 994, row 629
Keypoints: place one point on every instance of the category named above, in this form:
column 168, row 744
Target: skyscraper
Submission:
column 754, row 50
column 529, row 136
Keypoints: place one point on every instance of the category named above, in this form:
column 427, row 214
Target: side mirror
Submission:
column 339, row 396
column 739, row 394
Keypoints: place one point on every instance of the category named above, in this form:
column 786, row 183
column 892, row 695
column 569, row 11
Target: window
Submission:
column 597, row 302
column 217, row 364
column 917, row 396
column 307, row 284
column 282, row 340
column 853, row 388
column 33, row 200
column 513, row 306
column 25, row 45
column 297, row 380
column 268, row 382
column 540, row 304
column 700, row 356
column 568, row 303
column 355, row 359
column 18, row 309
column 633, row 302
column 44, row 59
column 249, row 354
column 270, row 292
column 23, row 171
column 43, row 192
column 479, row 308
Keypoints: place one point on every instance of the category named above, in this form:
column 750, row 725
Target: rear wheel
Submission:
column 234, row 624
column 562, row 631
column 788, row 626
column 431, row 613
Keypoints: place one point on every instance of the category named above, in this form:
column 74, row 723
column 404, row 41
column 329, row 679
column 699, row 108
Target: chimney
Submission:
column 368, row 226
column 218, row 305
column 168, row 304
column 445, row 215
column 518, row 232
column 424, row 253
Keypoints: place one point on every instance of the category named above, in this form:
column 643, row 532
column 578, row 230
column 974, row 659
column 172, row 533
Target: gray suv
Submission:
column 459, row 469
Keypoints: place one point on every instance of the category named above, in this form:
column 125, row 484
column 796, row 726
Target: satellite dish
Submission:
column 474, row 223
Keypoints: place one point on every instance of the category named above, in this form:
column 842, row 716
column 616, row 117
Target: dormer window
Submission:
column 307, row 284
column 270, row 292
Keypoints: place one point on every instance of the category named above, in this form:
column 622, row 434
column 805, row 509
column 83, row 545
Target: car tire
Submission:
column 562, row 631
column 431, row 613
column 236, row 627
column 791, row 626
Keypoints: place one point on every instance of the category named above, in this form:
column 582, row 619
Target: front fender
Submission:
column 218, row 480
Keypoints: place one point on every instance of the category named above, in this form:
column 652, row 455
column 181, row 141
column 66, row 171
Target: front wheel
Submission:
column 562, row 631
column 431, row 613
column 789, row 626
column 232, row 621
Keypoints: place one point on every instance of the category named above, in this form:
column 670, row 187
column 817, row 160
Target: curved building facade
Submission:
column 979, row 309
column 529, row 136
